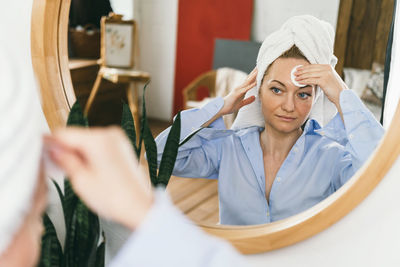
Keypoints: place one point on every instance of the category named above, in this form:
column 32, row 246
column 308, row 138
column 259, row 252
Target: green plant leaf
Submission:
column 69, row 241
column 88, row 236
column 51, row 253
column 151, row 151
column 70, row 202
column 187, row 138
column 143, row 118
column 128, row 125
column 100, row 255
column 76, row 117
column 60, row 194
column 170, row 152
column 84, row 236
column 149, row 143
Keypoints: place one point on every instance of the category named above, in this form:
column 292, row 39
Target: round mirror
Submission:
column 198, row 198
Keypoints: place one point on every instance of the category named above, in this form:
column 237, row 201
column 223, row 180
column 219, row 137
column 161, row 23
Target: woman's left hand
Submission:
column 324, row 76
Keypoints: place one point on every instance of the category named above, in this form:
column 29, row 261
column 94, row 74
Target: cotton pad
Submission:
column 293, row 77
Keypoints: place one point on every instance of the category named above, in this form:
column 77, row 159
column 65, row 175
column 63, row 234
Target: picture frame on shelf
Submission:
column 118, row 42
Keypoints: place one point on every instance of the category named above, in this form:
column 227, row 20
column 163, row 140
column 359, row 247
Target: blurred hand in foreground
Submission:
column 103, row 171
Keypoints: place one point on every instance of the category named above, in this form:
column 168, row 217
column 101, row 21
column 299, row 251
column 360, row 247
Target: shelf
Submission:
column 78, row 63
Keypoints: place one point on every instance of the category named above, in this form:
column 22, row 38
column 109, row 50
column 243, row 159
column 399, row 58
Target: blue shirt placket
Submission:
column 255, row 156
column 287, row 168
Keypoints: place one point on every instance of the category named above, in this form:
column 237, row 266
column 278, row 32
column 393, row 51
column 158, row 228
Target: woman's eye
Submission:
column 304, row 95
column 275, row 90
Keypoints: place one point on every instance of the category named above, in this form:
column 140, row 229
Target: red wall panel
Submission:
column 199, row 23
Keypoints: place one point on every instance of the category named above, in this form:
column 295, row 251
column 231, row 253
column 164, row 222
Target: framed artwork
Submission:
column 118, row 41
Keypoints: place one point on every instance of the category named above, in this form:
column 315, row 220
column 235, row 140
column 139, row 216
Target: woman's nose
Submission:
column 288, row 104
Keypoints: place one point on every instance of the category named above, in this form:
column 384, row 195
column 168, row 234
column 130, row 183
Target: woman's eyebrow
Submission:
column 281, row 83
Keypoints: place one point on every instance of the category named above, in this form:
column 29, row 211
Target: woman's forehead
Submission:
column 280, row 71
column 282, row 67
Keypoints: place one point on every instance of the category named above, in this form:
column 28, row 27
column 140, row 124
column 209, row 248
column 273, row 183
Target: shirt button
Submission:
column 268, row 213
column 278, row 179
column 296, row 149
column 351, row 136
column 322, row 133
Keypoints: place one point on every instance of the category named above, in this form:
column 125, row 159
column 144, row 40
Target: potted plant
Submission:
column 85, row 242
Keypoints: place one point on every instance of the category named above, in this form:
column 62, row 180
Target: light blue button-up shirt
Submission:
column 319, row 163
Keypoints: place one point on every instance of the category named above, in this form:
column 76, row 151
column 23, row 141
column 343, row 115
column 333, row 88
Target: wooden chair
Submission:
column 218, row 82
column 206, row 80
column 117, row 61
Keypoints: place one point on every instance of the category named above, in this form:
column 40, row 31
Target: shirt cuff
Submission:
column 355, row 112
column 334, row 130
column 350, row 102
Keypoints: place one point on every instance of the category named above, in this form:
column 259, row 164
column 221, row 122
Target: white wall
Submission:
column 269, row 15
column 157, row 20
column 123, row 7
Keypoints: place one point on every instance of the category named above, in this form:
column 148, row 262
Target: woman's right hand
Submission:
column 235, row 99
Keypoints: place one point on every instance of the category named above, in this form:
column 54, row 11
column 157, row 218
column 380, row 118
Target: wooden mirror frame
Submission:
column 50, row 62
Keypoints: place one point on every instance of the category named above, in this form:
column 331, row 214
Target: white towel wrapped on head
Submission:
column 315, row 39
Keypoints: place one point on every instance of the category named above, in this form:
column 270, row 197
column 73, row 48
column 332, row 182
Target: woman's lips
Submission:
column 286, row 118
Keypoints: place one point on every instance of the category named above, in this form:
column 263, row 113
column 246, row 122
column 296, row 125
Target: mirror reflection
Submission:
column 283, row 118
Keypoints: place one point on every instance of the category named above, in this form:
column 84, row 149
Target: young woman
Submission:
column 275, row 170
column 99, row 162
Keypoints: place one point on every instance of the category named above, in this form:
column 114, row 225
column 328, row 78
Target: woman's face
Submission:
column 285, row 106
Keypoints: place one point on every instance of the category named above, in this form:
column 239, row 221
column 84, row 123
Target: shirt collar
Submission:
column 311, row 127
